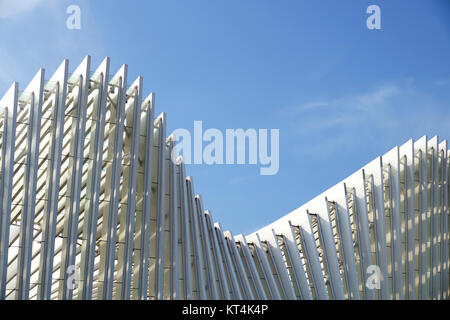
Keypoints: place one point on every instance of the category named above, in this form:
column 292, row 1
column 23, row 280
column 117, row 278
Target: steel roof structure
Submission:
column 92, row 207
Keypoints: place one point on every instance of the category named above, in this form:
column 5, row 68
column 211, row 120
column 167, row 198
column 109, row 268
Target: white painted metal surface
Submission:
column 92, row 207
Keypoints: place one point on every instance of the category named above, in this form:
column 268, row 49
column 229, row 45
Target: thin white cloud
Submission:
column 442, row 82
column 59, row 42
column 241, row 179
column 329, row 122
column 345, row 110
column 377, row 97
column 392, row 112
column 313, row 105
column 10, row 8
column 348, row 103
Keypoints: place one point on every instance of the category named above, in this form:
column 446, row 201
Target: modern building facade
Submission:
column 92, row 207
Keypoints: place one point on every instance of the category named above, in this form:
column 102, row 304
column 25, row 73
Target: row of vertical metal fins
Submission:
column 93, row 207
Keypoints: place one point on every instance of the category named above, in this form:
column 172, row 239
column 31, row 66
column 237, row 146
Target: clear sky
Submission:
column 339, row 93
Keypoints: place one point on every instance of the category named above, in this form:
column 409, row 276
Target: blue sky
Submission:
column 339, row 93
